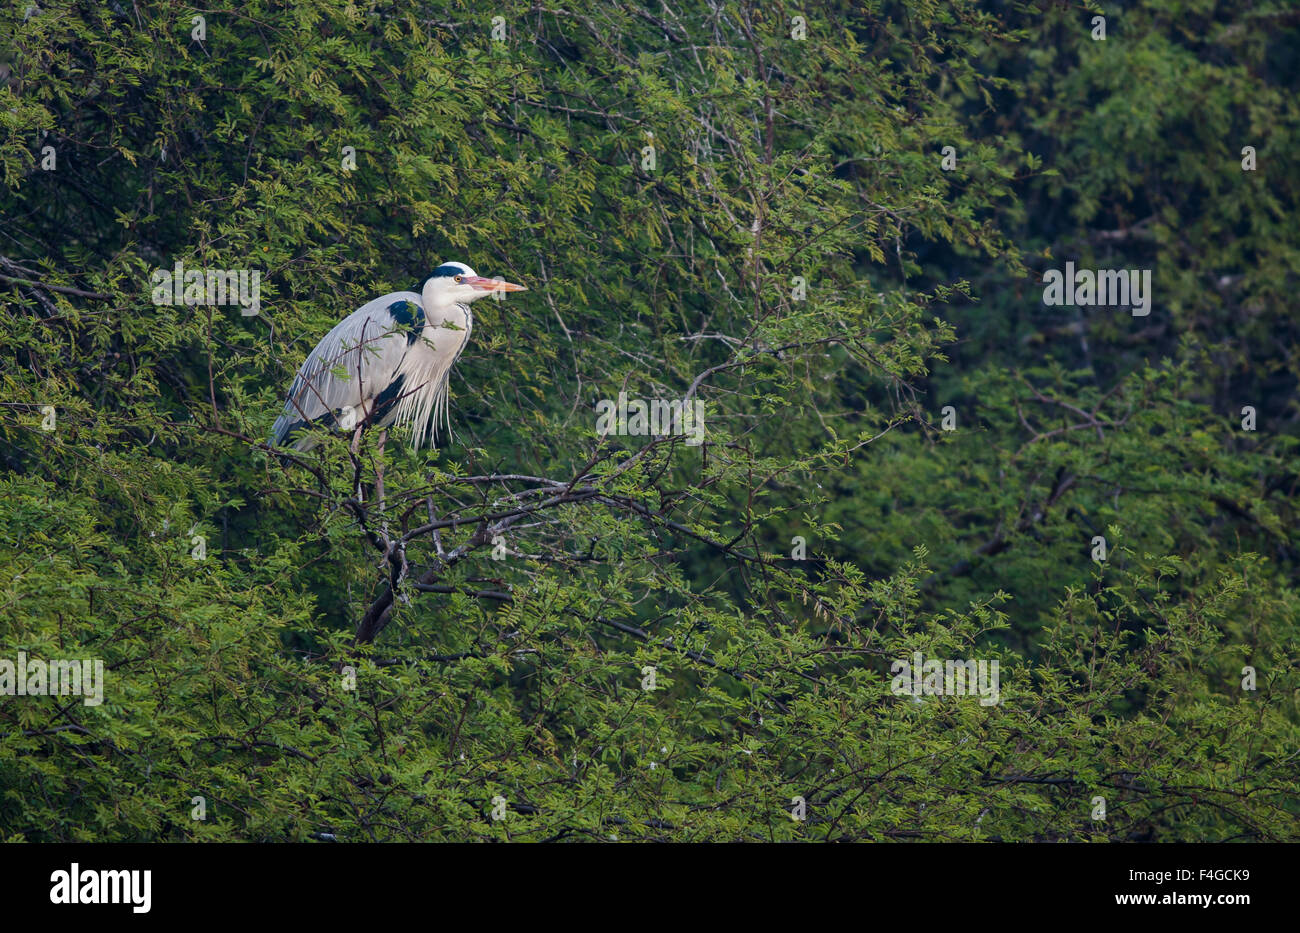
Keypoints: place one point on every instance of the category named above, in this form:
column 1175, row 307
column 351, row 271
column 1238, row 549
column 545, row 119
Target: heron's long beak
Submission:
column 493, row 285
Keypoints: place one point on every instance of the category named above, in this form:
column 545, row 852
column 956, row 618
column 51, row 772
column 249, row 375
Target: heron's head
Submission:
column 455, row 282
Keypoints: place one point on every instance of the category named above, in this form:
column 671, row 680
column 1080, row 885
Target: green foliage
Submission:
column 474, row 635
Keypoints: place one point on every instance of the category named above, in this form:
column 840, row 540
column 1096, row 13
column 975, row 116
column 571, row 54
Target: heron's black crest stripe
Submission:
column 409, row 315
column 442, row 272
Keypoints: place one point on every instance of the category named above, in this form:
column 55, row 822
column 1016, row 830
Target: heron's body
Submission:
column 387, row 362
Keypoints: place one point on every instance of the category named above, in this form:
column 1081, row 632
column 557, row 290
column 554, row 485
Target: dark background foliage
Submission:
column 482, row 627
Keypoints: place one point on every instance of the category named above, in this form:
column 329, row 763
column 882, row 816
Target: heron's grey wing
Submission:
column 351, row 366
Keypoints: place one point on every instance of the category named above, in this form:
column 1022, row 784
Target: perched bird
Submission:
column 388, row 361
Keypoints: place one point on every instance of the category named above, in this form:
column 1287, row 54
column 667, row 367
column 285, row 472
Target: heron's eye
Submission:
column 459, row 277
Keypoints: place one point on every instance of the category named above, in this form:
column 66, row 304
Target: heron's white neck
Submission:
column 426, row 366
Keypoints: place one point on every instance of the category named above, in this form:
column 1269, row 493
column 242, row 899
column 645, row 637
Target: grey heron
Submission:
column 388, row 361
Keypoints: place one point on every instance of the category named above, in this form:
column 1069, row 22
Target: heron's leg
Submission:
column 389, row 544
column 379, row 480
column 355, row 448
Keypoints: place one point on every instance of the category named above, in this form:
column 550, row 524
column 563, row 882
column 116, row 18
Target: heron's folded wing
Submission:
column 351, row 365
